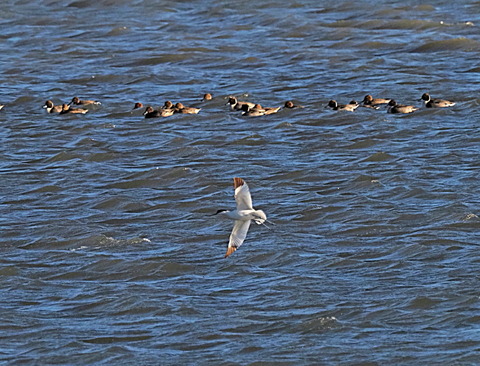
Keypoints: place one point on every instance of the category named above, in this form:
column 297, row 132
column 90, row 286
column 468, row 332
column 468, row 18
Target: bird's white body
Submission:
column 243, row 215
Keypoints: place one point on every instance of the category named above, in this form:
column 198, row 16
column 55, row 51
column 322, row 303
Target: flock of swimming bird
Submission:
column 244, row 212
column 250, row 109
column 393, row 106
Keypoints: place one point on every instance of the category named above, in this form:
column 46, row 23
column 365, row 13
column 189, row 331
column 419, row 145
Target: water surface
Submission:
column 109, row 255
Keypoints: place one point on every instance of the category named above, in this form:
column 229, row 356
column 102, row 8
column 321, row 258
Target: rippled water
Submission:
column 109, row 255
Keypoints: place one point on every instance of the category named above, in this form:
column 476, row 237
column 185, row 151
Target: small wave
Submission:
column 116, row 339
column 284, row 125
column 100, row 157
column 363, row 144
column 471, row 216
column 80, row 4
column 252, row 140
column 380, row 156
column 475, row 69
column 9, row 271
column 319, row 324
column 117, row 31
column 47, row 189
column 102, row 241
column 164, row 59
column 375, row 45
column 62, row 156
column 456, row 44
column 423, row 302
column 409, row 24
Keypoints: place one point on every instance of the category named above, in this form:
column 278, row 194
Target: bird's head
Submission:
column 220, row 211
column 260, row 217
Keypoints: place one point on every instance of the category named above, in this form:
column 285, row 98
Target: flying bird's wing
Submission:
column 242, row 194
column 238, row 235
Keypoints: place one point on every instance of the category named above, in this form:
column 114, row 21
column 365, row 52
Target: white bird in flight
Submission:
column 243, row 215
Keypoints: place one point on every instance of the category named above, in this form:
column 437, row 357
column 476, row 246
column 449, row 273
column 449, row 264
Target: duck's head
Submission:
column 148, row 110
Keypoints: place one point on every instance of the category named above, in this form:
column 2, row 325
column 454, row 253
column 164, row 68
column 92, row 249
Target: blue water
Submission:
column 110, row 255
